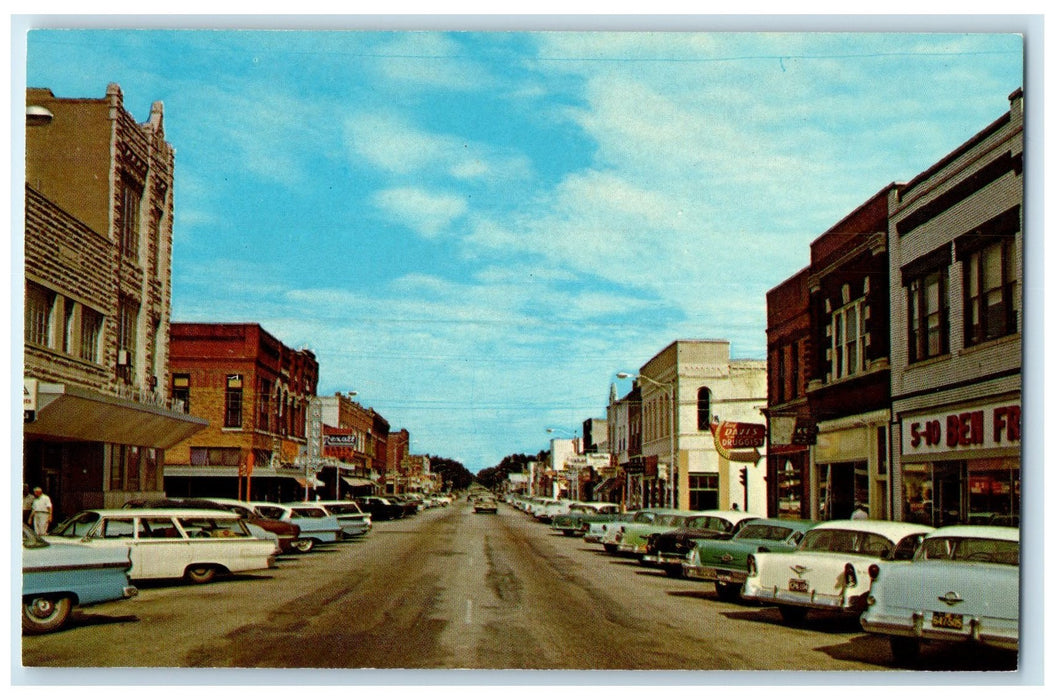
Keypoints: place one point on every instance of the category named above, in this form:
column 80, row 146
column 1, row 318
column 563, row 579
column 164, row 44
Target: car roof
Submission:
column 785, row 522
column 163, row 512
column 989, row 532
column 888, row 528
column 733, row 515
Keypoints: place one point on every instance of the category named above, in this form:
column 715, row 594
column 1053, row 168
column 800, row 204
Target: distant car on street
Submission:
column 380, row 508
column 56, row 577
column 485, row 505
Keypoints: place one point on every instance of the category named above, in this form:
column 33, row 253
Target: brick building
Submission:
column 956, row 249
column 397, row 452
column 98, row 255
column 355, row 441
column 255, row 393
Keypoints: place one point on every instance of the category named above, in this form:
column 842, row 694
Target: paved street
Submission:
column 453, row 589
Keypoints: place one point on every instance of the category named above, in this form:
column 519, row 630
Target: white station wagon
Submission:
column 171, row 543
column 829, row 568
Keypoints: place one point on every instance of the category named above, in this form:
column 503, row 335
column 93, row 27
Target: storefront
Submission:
column 962, row 464
column 849, row 467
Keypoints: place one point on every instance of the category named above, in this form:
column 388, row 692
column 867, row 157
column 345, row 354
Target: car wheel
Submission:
column 729, row 592
column 611, row 548
column 45, row 614
column 570, row 533
column 673, row 570
column 304, row 545
column 792, row 614
column 201, row 573
column 904, row 649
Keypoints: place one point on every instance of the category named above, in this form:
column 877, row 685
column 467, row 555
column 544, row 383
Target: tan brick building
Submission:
column 98, row 248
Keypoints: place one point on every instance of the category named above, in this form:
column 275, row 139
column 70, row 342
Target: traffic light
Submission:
column 743, row 475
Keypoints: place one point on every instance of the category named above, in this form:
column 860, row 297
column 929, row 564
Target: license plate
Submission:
column 798, row 585
column 724, row 576
column 949, row 621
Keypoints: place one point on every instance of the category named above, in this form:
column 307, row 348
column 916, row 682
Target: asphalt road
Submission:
column 450, row 589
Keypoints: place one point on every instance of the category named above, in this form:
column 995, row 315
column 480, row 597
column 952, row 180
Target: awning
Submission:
column 78, row 413
column 357, row 481
column 609, row 484
column 231, row 472
column 315, row 483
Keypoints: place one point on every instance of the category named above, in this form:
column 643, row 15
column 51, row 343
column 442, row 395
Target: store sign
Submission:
column 737, row 441
column 350, row 440
column 982, row 428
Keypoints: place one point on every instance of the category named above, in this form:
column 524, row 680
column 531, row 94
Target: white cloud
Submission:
column 427, row 213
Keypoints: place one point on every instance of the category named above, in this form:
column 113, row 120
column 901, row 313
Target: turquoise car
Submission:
column 56, row 577
column 632, row 538
column 961, row 586
column 725, row 561
column 579, row 516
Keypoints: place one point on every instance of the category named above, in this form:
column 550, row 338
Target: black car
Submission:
column 381, row 508
column 668, row 550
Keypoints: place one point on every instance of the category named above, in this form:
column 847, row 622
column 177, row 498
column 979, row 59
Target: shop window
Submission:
column 989, row 291
column 40, row 304
column 847, row 344
column 928, row 315
column 703, row 491
column 703, row 409
column 232, row 415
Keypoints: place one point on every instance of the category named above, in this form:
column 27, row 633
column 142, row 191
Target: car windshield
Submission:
column 764, row 532
column 309, row 512
column 969, row 549
column 669, row 520
column 271, row 512
column 847, row 542
column 343, row 508
column 77, row 526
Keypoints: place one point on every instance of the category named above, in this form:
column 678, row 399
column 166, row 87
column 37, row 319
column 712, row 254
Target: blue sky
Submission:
column 476, row 230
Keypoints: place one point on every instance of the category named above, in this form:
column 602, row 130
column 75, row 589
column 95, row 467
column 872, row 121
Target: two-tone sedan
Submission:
column 829, row 568
column 580, row 515
column 668, row 550
column 632, row 538
column 725, row 561
column 962, row 586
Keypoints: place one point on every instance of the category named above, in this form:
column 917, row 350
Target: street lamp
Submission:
column 664, row 386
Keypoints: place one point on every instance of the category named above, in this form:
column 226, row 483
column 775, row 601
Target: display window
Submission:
column 974, row 492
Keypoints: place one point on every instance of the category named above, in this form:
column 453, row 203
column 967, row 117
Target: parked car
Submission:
column 580, row 515
column 354, row 522
column 171, row 542
column 281, row 533
column 829, row 567
column 58, row 577
column 316, row 525
column 613, row 535
column 632, row 538
column 725, row 561
column 485, row 505
column 380, row 508
column 598, row 526
column 668, row 550
column 961, row 586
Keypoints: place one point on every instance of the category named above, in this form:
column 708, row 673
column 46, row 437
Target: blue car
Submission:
column 57, row 577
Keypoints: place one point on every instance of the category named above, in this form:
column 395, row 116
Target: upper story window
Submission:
column 181, row 390
column 928, row 315
column 264, row 409
column 232, row 414
column 847, row 345
column 91, row 335
column 131, row 195
column 703, row 409
column 40, row 304
column 989, row 292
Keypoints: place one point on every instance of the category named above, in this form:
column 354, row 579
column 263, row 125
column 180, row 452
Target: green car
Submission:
column 725, row 561
column 632, row 538
column 579, row 516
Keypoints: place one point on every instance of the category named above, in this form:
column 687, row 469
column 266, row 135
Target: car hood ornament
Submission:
column 950, row 598
column 799, row 569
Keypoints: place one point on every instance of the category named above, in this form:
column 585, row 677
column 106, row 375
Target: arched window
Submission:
column 703, row 409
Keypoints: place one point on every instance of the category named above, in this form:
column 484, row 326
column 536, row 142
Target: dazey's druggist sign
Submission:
column 737, row 442
column 987, row 427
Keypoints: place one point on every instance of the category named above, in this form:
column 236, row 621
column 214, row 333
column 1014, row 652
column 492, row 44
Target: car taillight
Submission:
column 752, row 566
column 850, row 575
column 873, row 571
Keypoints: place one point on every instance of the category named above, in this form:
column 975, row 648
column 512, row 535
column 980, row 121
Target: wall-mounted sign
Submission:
column 350, row 440
column 978, row 428
column 737, row 442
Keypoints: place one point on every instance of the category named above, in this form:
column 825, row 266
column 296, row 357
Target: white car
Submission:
column 171, row 543
column 829, row 568
column 962, row 586
column 354, row 522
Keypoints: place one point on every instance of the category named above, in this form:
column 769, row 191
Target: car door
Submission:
column 164, row 551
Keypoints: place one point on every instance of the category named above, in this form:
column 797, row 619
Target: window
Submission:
column 928, row 315
column 127, row 323
column 215, row 456
column 232, row 415
column 131, row 194
column 847, row 349
column 264, row 415
column 39, row 305
column 989, row 288
column 91, row 331
column 181, row 390
column 703, row 409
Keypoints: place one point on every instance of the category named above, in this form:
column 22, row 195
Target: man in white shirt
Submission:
column 41, row 511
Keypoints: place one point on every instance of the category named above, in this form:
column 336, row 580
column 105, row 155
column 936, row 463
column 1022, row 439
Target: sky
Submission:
column 475, row 231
